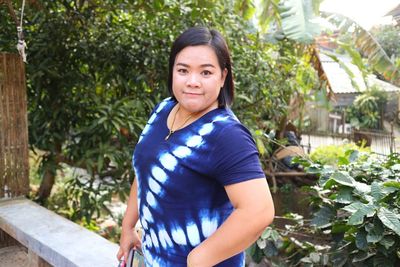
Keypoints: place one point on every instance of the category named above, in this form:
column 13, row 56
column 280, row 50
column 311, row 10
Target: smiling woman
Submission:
column 197, row 80
column 200, row 192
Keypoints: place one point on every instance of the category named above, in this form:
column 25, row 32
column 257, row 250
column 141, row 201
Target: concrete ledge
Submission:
column 53, row 238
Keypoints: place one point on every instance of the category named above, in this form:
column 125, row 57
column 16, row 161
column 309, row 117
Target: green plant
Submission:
column 359, row 207
column 356, row 217
column 335, row 155
column 295, row 244
column 367, row 110
column 82, row 199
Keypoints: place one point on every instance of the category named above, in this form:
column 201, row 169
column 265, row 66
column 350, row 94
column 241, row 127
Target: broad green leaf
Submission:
column 353, row 207
column 298, row 20
column 345, row 195
column 343, row 178
column 387, row 242
column 261, row 243
column 376, row 191
column 270, row 250
column 343, row 161
column 362, row 188
column 275, row 236
column 394, row 184
column 353, row 155
column 375, row 234
column 361, row 240
column 267, row 233
column 358, row 217
column 323, row 217
column 359, row 210
column 389, row 219
column 361, row 256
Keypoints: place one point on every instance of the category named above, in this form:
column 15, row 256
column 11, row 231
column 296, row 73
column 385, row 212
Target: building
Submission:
column 344, row 90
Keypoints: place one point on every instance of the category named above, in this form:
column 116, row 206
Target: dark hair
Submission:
column 212, row 38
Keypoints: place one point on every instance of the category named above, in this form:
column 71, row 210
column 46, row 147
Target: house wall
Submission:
column 391, row 108
column 344, row 100
column 320, row 120
column 318, row 116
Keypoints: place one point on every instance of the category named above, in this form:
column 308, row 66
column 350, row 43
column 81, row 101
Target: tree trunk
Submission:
column 48, row 179
column 49, row 168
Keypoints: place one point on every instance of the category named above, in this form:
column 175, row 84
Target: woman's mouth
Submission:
column 192, row 94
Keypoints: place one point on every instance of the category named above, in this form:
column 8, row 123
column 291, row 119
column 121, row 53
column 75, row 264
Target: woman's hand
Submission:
column 129, row 239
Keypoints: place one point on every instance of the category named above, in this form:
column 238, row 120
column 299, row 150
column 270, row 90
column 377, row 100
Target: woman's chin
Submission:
column 199, row 107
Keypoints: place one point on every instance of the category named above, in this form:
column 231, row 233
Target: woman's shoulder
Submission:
column 225, row 117
column 227, row 124
column 164, row 103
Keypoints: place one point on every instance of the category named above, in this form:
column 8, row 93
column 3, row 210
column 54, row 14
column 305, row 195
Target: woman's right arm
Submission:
column 129, row 237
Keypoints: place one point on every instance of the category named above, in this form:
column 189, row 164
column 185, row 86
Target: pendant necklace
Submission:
column 171, row 131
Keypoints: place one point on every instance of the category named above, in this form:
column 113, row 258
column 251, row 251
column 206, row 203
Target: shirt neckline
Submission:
column 202, row 117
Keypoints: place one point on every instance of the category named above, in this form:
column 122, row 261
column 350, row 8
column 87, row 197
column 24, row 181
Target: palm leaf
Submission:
column 269, row 13
column 299, row 20
column 377, row 57
column 245, row 8
column 368, row 47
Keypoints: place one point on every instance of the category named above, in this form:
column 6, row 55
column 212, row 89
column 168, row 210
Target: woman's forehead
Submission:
column 201, row 56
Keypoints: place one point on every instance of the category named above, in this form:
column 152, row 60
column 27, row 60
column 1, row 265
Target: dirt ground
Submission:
column 13, row 256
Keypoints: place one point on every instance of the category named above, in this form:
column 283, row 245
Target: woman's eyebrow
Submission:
column 202, row 65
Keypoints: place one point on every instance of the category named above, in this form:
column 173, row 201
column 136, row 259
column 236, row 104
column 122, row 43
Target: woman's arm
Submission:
column 254, row 211
column 129, row 237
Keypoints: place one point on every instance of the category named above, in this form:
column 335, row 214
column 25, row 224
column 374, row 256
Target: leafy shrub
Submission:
column 359, row 207
column 297, row 244
column 335, row 155
column 366, row 112
column 356, row 221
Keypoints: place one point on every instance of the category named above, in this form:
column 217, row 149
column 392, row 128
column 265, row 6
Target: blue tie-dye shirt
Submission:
column 181, row 195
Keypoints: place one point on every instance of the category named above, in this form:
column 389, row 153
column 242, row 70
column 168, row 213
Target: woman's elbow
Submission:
column 266, row 216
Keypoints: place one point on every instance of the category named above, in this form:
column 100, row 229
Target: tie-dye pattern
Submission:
column 181, row 196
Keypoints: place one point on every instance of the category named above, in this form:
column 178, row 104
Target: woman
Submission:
column 200, row 193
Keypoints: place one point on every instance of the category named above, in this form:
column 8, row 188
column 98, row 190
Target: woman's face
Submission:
column 197, row 78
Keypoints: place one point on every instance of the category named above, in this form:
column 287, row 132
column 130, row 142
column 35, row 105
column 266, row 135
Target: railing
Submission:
column 380, row 142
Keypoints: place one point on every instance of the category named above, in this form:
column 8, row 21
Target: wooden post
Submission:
column 14, row 162
column 392, row 143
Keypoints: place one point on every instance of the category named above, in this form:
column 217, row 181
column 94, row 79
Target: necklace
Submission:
column 171, row 131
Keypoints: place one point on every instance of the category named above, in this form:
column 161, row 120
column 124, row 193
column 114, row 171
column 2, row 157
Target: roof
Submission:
column 340, row 81
column 394, row 12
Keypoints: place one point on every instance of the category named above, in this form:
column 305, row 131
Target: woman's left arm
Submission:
column 254, row 211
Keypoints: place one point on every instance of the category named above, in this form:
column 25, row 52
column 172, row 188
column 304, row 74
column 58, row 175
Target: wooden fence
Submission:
column 14, row 164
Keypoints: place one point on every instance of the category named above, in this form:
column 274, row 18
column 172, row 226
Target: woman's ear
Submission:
column 223, row 77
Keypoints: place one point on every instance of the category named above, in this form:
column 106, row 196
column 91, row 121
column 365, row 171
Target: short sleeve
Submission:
column 235, row 157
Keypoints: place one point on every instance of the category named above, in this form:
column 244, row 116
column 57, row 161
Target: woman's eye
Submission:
column 206, row 73
column 182, row 71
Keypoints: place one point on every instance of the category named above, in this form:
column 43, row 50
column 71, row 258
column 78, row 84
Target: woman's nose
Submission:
column 193, row 81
